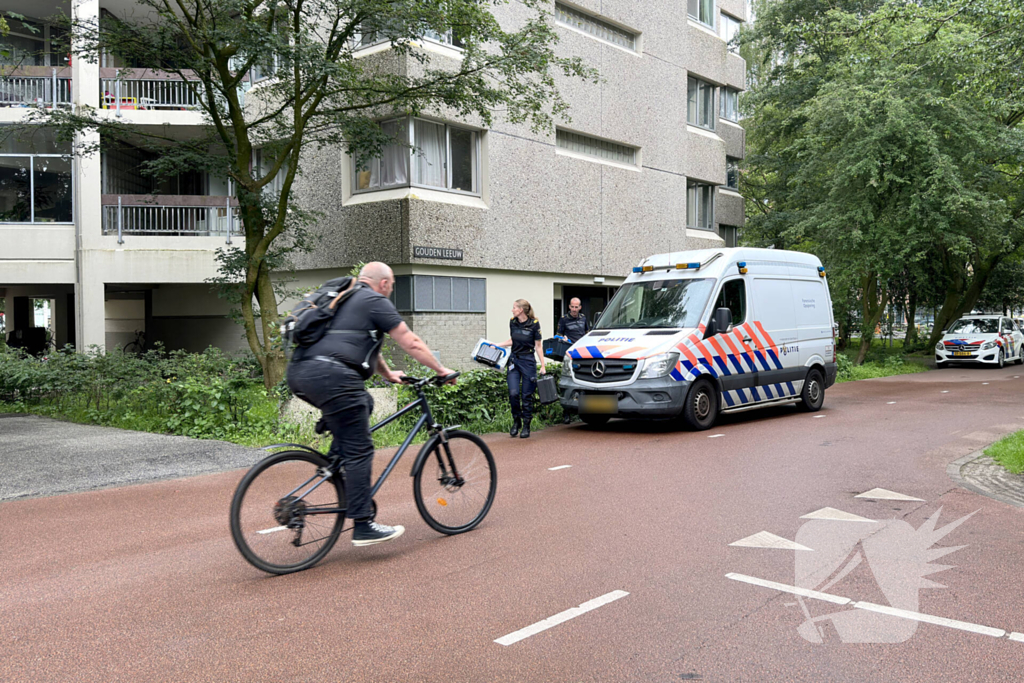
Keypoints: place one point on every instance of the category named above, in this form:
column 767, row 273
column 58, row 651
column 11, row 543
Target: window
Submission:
column 730, row 234
column 658, row 303
column 702, row 10
column 593, row 147
column 700, row 103
column 730, row 109
column 32, row 43
column 262, row 163
column 602, row 30
column 729, row 27
column 734, row 297
column 732, row 173
column 700, row 205
column 974, row 326
column 374, row 35
column 35, row 179
column 437, row 156
column 436, row 293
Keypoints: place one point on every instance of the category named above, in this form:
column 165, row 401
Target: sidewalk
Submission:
column 44, row 457
column 981, row 474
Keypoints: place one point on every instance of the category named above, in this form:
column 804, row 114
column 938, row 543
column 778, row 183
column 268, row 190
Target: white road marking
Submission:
column 805, row 592
column 881, row 609
column 272, row 530
column 890, row 403
column 559, row 618
column 930, row 619
column 883, row 494
column 764, row 539
column 945, row 392
column 560, row 467
column 818, row 416
column 836, row 515
column 984, row 383
column 715, row 436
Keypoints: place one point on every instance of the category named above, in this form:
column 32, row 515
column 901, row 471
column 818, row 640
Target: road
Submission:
column 143, row 583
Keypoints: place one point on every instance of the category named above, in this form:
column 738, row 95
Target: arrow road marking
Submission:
column 882, row 494
column 764, row 539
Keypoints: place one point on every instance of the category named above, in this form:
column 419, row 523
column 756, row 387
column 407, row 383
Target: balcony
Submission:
column 145, row 89
column 170, row 216
column 27, row 86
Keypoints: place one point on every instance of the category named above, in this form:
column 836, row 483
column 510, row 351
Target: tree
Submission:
column 869, row 151
column 320, row 94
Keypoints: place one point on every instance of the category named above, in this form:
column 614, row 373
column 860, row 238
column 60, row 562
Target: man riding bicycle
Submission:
column 330, row 375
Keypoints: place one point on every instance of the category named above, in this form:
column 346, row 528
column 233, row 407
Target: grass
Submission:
column 881, row 361
column 1009, row 452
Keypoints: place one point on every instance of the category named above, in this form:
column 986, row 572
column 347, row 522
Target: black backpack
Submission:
column 310, row 318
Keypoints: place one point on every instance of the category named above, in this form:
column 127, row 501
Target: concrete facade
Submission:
column 545, row 220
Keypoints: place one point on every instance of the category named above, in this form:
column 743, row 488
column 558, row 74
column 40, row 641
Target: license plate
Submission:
column 961, row 353
column 599, row 404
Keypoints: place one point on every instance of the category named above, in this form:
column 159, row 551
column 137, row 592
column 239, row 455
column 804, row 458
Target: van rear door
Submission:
column 813, row 320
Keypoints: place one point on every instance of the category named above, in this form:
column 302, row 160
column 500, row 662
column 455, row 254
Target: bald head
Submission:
column 378, row 276
column 574, row 306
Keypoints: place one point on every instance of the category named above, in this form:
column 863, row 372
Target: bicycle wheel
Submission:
column 455, row 487
column 285, row 516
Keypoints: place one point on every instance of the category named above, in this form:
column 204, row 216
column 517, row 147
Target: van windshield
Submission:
column 659, row 303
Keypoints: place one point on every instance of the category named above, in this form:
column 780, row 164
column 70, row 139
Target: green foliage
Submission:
column 1009, row 452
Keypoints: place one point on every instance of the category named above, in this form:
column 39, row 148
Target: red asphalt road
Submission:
column 144, row 584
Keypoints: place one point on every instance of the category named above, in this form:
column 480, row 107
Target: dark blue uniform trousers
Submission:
column 522, row 382
column 346, row 406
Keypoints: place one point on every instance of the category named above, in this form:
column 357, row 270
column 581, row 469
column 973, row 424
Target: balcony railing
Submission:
column 170, row 216
column 35, row 86
column 132, row 89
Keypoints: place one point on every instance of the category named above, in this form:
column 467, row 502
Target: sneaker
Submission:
column 567, row 419
column 369, row 533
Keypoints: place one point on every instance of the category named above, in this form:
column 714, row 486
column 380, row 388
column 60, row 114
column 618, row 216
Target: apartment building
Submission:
column 471, row 220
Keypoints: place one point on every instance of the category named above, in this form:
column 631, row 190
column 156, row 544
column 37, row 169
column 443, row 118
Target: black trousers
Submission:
column 522, row 383
column 346, row 405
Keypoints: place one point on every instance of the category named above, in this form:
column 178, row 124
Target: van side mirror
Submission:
column 721, row 320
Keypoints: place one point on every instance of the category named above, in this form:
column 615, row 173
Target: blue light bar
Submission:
column 821, row 269
column 742, row 264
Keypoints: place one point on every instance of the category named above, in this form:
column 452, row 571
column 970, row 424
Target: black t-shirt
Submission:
column 524, row 335
column 354, row 331
column 573, row 328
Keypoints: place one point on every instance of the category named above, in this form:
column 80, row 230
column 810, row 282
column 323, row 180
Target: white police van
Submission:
column 699, row 333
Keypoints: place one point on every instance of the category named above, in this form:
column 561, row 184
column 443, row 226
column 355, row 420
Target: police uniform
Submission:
column 573, row 328
column 522, row 368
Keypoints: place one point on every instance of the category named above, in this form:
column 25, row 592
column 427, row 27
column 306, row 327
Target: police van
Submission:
column 698, row 333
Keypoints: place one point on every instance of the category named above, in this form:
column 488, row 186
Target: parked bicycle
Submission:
column 289, row 510
column 137, row 345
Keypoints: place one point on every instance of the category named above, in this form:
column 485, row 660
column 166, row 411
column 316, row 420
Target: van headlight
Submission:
column 988, row 345
column 660, row 365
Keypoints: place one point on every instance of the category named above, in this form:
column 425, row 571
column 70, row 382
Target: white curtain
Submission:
column 429, row 156
column 394, row 167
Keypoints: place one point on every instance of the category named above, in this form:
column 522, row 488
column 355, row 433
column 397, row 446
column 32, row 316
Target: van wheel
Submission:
column 701, row 408
column 595, row 420
column 813, row 394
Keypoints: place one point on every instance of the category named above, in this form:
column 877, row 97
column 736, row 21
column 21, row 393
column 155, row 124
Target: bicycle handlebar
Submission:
column 437, row 380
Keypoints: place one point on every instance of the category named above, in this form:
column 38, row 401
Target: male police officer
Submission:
column 330, row 375
column 574, row 326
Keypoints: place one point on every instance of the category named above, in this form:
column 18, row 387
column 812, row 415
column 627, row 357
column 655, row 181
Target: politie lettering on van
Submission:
column 698, row 333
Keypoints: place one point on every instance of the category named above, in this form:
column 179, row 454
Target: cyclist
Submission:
column 330, row 375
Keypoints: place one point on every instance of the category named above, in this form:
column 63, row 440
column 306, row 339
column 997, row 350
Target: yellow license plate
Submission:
column 961, row 353
column 599, row 404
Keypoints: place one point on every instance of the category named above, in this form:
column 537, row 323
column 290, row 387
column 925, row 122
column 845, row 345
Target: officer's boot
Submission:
column 517, row 424
column 525, row 434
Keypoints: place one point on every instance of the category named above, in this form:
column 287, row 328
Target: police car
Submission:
column 981, row 339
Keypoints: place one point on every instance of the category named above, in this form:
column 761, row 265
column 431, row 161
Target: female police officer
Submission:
column 522, row 365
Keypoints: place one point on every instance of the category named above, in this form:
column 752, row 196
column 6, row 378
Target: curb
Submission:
column 953, row 471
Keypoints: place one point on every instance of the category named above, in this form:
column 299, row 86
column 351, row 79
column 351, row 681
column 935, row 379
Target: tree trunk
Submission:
column 911, row 338
column 955, row 304
column 874, row 306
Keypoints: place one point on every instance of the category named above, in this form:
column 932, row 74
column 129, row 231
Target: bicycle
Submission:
column 281, row 534
column 137, row 345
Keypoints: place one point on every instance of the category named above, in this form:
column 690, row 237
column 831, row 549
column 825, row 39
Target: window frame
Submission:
column 734, row 233
column 701, row 85
column 415, row 306
column 598, row 22
column 732, row 170
column 745, row 300
column 727, row 93
column 726, row 20
column 699, row 188
column 596, row 142
column 32, row 156
column 410, row 132
column 708, row 6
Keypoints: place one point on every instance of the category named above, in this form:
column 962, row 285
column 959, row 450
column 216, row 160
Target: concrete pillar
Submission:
column 91, row 329
column 8, row 311
column 59, row 320
column 86, row 73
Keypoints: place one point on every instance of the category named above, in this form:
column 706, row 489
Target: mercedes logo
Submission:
column 598, row 370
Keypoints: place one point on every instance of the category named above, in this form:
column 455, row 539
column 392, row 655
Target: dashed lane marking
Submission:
column 715, row 436
column 560, row 467
column 945, row 392
column 836, row 516
column 984, row 383
column 560, row 618
column 272, row 530
column 765, row 539
column 818, row 416
column 881, row 609
column 883, row 494
column 890, row 403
